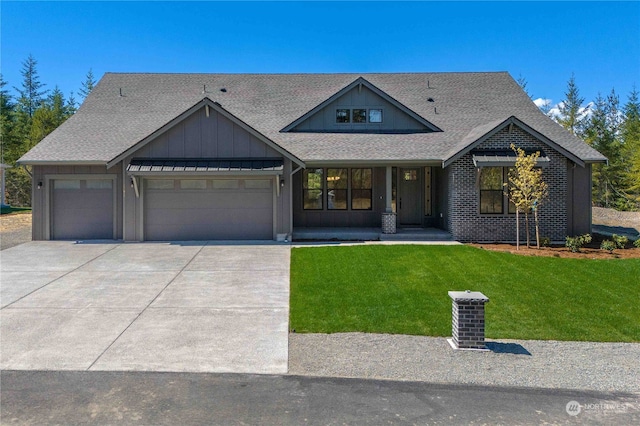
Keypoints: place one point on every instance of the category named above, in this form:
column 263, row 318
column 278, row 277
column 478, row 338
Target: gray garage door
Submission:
column 208, row 209
column 82, row 209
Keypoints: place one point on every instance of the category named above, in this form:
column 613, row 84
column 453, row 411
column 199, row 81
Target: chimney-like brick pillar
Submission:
column 467, row 318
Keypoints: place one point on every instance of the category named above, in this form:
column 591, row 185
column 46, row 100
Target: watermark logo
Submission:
column 573, row 408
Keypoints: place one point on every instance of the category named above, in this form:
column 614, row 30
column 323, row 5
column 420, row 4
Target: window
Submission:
column 160, row 184
column 312, row 181
column 337, row 185
column 66, row 184
column 99, row 183
column 225, row 184
column 193, row 184
column 359, row 115
column 375, row 116
column 491, row 192
column 257, row 184
column 410, row 174
column 361, row 189
column 343, row 116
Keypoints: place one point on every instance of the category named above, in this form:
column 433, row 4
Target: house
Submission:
column 254, row 156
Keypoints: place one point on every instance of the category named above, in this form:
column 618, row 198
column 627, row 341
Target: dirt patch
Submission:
column 15, row 221
column 611, row 217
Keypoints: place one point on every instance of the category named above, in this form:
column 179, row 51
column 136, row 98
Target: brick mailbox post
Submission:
column 468, row 320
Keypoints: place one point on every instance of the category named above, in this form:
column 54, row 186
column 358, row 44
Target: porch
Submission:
column 369, row 234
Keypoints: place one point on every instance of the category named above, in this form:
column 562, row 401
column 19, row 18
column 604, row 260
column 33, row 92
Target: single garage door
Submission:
column 208, row 209
column 82, row 209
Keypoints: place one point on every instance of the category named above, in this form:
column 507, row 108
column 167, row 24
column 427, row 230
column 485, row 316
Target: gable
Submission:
column 202, row 136
column 361, row 108
column 206, row 130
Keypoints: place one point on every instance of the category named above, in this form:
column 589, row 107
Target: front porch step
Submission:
column 419, row 234
column 369, row 234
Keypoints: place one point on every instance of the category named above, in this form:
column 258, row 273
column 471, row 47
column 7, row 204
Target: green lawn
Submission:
column 402, row 289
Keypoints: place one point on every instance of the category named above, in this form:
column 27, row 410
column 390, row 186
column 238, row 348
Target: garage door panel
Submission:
column 81, row 213
column 208, row 214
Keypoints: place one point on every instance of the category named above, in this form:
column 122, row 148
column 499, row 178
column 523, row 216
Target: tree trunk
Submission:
column 535, row 217
column 517, row 229
column 526, row 228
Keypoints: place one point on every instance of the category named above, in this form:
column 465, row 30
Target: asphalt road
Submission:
column 53, row 397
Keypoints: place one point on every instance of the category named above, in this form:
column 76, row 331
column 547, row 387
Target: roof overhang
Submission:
column 205, row 166
column 503, row 159
column 487, row 130
column 204, row 103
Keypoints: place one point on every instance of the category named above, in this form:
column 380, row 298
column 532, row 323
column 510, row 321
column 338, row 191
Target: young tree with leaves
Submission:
column 526, row 190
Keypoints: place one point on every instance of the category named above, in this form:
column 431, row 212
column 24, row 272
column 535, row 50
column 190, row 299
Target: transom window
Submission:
column 358, row 115
column 342, row 188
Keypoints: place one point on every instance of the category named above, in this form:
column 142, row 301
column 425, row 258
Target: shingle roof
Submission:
column 108, row 123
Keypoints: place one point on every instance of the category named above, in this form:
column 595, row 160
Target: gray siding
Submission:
column 578, row 199
column 393, row 120
column 40, row 208
column 464, row 219
column 199, row 136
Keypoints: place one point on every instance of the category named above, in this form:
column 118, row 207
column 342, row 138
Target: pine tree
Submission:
column 48, row 117
column 32, row 92
column 630, row 134
column 571, row 112
column 88, row 84
column 522, row 82
column 602, row 131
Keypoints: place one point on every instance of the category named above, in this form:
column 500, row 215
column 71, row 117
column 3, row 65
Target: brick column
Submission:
column 388, row 223
column 467, row 319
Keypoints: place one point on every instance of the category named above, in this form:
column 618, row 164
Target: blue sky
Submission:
column 544, row 42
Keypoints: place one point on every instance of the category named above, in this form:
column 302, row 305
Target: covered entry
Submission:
column 230, row 201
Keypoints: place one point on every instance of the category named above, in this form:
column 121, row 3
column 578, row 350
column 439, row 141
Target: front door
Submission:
column 409, row 190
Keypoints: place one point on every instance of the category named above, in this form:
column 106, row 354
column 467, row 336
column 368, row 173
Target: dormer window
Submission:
column 343, row 116
column 358, row 115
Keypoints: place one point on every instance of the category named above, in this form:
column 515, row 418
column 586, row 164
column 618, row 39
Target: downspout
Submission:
column 291, row 200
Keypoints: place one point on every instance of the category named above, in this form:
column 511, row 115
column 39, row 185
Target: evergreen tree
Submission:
column 6, row 123
column 630, row 134
column 572, row 114
column 88, row 84
column 48, row 117
column 522, row 82
column 603, row 133
column 32, row 92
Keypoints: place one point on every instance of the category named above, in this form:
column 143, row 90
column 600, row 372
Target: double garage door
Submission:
column 208, row 209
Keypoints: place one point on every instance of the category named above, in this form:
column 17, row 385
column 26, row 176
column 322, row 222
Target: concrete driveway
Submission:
column 196, row 307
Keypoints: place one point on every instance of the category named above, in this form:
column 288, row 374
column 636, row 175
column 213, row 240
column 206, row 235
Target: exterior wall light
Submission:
column 40, row 185
column 281, row 183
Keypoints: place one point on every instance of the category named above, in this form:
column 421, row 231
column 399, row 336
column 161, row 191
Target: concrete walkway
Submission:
column 193, row 307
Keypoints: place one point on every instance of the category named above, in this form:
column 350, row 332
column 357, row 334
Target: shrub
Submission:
column 575, row 243
column 636, row 243
column 545, row 241
column 620, row 240
column 608, row 245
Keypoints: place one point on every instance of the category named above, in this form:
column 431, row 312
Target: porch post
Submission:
column 388, row 195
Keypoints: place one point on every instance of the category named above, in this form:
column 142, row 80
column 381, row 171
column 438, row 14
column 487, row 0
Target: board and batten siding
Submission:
column 393, row 119
column 199, row 136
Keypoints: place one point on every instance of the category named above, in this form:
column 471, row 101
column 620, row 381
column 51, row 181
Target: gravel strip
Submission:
column 10, row 239
column 610, row 367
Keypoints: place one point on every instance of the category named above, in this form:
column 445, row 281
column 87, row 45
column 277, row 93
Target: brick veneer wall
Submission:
column 467, row 324
column 465, row 221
